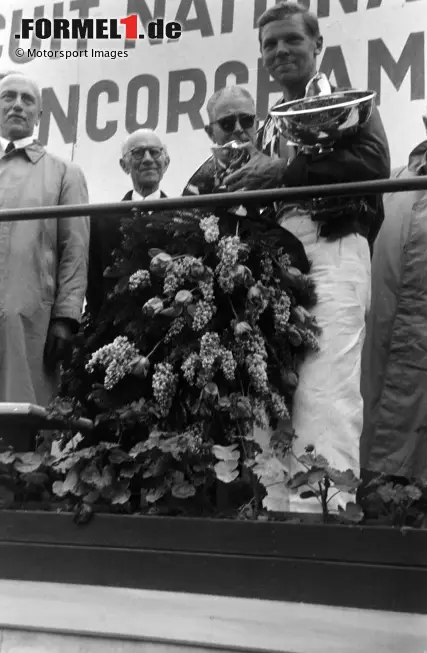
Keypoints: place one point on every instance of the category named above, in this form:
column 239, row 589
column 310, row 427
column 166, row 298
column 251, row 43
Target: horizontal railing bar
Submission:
column 262, row 197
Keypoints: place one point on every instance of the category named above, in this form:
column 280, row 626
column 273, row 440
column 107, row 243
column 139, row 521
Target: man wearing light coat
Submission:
column 394, row 378
column 43, row 262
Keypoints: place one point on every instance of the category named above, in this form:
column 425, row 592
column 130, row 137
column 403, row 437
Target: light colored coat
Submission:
column 394, row 378
column 43, row 268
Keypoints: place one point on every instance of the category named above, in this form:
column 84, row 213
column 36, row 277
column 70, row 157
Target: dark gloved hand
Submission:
column 58, row 343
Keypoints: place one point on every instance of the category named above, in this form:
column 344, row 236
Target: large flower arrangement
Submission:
column 198, row 345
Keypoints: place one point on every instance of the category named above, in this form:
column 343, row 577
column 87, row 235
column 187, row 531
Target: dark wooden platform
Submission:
column 352, row 566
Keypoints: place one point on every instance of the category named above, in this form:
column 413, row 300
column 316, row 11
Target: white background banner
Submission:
column 93, row 100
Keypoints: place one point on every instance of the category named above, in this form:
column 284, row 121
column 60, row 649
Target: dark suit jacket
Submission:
column 363, row 156
column 105, row 237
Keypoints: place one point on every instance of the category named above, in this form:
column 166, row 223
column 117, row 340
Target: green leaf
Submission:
column 139, row 448
column 129, row 470
column 121, row 496
column 309, row 494
column 7, row 458
column 58, row 489
column 30, row 462
column 107, row 477
column 300, row 478
column 92, row 476
column 352, row 513
column 413, row 492
column 321, row 462
column 315, row 476
column 226, row 471
column 344, row 481
column 71, row 482
column 154, row 251
column 172, row 311
column 226, row 453
column 83, row 514
column 306, row 459
column 92, row 497
column 118, row 456
column 155, row 494
column 183, row 491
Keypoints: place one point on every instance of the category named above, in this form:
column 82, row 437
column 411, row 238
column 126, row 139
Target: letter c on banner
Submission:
column 95, row 133
column 2, row 26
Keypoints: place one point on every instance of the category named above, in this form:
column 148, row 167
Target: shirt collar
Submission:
column 19, row 143
column 136, row 197
column 33, row 149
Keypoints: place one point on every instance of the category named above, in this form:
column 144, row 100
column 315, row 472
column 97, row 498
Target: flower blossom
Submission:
column 139, row 279
column 210, row 228
column 117, row 358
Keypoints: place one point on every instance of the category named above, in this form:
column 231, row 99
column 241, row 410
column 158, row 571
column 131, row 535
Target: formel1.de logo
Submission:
column 98, row 28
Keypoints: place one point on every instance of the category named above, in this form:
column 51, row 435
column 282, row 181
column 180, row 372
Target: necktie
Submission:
column 10, row 147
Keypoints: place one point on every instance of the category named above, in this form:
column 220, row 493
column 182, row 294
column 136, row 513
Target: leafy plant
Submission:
column 201, row 339
column 396, row 501
column 321, row 479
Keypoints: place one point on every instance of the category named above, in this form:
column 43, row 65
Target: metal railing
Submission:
column 262, row 197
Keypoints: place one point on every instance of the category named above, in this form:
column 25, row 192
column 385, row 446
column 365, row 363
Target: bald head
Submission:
column 142, row 138
column 20, row 106
column 145, row 159
column 232, row 116
column 229, row 95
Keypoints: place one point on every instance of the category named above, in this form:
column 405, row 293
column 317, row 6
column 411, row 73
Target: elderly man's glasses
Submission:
column 228, row 123
column 138, row 153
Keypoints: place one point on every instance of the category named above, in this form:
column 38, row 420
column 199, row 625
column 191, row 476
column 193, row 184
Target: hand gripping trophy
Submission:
column 316, row 124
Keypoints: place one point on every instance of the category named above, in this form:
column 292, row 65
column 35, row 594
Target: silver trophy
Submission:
column 318, row 123
column 228, row 158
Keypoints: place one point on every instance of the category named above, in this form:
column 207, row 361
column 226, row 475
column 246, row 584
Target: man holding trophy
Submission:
column 325, row 140
column 233, row 124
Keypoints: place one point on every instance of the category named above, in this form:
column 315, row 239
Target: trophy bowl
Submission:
column 232, row 155
column 321, row 121
column 224, row 160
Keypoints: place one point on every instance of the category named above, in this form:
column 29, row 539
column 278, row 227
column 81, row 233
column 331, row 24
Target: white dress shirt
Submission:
column 136, row 197
column 19, row 144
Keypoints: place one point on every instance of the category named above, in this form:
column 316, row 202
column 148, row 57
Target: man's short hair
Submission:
column 285, row 10
column 238, row 90
column 10, row 72
column 16, row 73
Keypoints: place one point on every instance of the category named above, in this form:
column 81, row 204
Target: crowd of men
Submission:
column 49, row 266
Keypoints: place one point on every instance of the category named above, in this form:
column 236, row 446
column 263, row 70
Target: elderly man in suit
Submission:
column 232, row 117
column 43, row 262
column 145, row 159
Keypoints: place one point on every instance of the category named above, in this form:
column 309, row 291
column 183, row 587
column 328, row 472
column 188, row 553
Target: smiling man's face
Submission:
column 145, row 160
column 20, row 108
column 289, row 52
